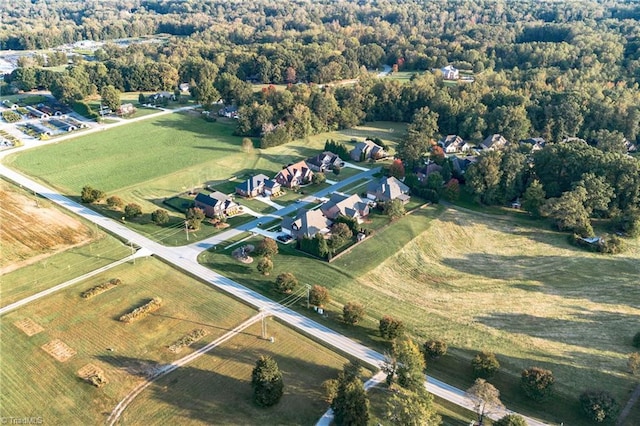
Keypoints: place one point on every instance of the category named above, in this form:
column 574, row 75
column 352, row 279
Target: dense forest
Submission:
column 554, row 70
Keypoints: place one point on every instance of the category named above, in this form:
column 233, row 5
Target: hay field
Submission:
column 39, row 374
column 33, row 228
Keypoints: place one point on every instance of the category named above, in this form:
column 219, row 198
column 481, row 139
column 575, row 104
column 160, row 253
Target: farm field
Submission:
column 32, row 226
column 216, row 388
column 166, row 155
column 31, row 377
column 485, row 282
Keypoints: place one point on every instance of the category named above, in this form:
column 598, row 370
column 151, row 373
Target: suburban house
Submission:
column 229, row 111
column 161, row 96
column 366, row 150
column 494, row 142
column 460, row 165
column 450, row 73
column 294, row 175
column 350, row 206
column 184, row 87
column 271, row 187
column 388, row 188
column 536, row 143
column 253, row 186
column 307, row 223
column 453, row 143
column 631, row 147
column 323, row 162
column 215, row 204
column 424, row 172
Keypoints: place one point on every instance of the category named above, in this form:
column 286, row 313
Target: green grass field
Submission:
column 60, row 267
column 485, row 282
column 148, row 161
column 216, row 388
column 32, row 379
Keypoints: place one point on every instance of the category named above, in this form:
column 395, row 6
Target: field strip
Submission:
column 19, row 303
column 122, row 405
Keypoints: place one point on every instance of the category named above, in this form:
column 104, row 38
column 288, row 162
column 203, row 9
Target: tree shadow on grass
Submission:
column 589, row 329
column 609, row 280
column 202, row 393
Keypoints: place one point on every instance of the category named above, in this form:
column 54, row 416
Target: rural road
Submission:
column 176, row 257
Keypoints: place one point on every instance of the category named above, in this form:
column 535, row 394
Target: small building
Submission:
column 307, row 223
column 460, row 165
column 424, row 172
column 37, row 113
column 344, row 205
column 367, row 150
column 453, row 143
column 271, row 187
column 216, row 204
column 294, row 175
column 229, row 111
column 630, row 146
column 325, row 161
column 253, row 186
column 450, row 73
column 184, row 87
column 64, row 126
column 536, row 143
column 161, row 97
column 388, row 188
column 494, row 142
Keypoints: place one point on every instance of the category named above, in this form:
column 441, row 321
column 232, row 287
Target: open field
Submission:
column 31, row 377
column 32, row 228
column 484, row 282
column 166, row 155
column 216, row 388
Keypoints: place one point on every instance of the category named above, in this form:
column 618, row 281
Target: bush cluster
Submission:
column 187, row 340
column 100, row 288
column 141, row 312
column 97, row 379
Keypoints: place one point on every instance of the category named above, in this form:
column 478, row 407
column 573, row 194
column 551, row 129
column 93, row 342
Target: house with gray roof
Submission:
column 325, row 161
column 216, row 204
column 494, row 142
column 388, row 188
column 294, row 175
column 307, row 223
column 253, row 186
column 453, row 143
column 366, row 150
column 352, row 206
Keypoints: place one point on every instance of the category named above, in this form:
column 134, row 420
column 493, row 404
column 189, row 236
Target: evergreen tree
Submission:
column 266, row 381
column 351, row 404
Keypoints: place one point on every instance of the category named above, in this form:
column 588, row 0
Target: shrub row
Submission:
column 141, row 312
column 188, row 340
column 100, row 288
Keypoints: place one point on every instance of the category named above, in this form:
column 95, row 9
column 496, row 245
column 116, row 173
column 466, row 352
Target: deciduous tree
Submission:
column 352, row 312
column 394, row 209
column 110, row 97
column 434, row 349
column 411, row 408
column 537, row 383
column 485, row 364
column 390, row 328
column 132, row 210
column 486, row 398
column 511, row 420
column 265, row 266
column 599, row 405
column 319, row 296
column 350, row 404
column 268, row 247
column 286, row 282
column 160, row 216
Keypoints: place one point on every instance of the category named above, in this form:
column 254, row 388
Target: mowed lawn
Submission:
column 36, row 384
column 61, row 267
column 216, row 388
column 485, row 282
column 148, row 161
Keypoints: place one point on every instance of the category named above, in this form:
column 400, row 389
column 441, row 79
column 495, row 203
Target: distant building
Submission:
column 494, row 142
column 344, row 205
column 450, row 73
column 323, row 162
column 536, row 143
column 253, row 186
column 453, row 143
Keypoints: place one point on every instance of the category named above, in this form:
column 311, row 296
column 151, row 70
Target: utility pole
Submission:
column 186, row 229
column 132, row 252
column 308, row 294
column 263, row 314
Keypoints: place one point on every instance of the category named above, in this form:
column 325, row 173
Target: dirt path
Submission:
column 163, row 371
column 627, row 408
